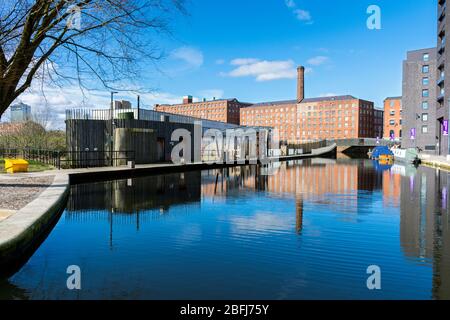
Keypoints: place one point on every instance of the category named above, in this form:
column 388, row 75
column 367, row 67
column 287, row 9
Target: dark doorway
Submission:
column 161, row 149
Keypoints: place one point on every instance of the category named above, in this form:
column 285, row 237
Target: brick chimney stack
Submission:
column 300, row 83
column 187, row 100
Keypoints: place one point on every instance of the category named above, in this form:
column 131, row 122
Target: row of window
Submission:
column 393, row 122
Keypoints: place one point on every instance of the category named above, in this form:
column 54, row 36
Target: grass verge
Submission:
column 34, row 166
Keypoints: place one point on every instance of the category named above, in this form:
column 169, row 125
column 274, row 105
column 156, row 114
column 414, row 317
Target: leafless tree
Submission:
column 87, row 41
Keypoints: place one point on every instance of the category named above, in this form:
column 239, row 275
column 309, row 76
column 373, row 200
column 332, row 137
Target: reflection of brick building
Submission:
column 224, row 110
column 391, row 187
column 306, row 180
column 393, row 118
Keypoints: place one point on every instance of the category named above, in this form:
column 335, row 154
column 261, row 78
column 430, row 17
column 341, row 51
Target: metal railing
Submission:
column 71, row 159
column 49, row 157
column 94, row 159
column 143, row 114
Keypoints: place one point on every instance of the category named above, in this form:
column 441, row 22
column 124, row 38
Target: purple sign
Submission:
column 413, row 134
column 392, row 136
column 445, row 127
column 444, row 198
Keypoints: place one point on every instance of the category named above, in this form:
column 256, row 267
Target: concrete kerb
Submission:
column 20, row 232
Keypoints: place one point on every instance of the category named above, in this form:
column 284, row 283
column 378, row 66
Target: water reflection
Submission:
column 308, row 231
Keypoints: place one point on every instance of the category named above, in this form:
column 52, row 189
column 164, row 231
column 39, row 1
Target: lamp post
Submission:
column 138, row 106
column 111, row 145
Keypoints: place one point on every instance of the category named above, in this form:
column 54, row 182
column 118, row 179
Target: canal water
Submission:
column 309, row 231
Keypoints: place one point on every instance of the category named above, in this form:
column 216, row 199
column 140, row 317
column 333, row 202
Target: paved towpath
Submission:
column 436, row 161
column 16, row 191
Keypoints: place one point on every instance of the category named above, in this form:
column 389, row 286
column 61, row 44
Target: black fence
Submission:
column 72, row 159
column 49, row 157
column 94, row 159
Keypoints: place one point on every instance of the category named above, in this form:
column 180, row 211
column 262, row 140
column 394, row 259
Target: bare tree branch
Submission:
column 113, row 40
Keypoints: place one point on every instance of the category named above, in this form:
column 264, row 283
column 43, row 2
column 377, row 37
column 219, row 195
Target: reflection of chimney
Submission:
column 300, row 83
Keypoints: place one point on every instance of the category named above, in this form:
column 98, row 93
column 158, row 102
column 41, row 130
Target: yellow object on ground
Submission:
column 16, row 165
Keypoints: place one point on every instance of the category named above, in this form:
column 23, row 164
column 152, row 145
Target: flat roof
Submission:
column 307, row 100
column 207, row 101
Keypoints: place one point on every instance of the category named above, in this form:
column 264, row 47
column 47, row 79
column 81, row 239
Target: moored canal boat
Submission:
column 410, row 155
column 382, row 154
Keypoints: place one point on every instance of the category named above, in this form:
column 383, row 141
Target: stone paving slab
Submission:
column 4, row 214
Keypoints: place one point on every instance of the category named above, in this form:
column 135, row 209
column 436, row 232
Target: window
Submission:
column 425, row 81
column 424, row 129
column 425, row 105
column 392, row 112
column 392, row 103
column 425, row 93
column 426, row 57
column 424, row 117
column 425, row 69
column 392, row 122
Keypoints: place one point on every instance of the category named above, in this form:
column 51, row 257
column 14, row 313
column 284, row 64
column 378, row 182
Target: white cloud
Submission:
column 317, row 61
column 290, row 3
column 303, row 15
column 300, row 14
column 264, row 70
column 243, row 61
column 192, row 56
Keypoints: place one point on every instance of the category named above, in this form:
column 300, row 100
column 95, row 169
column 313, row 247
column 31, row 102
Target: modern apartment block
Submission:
column 378, row 122
column 224, row 110
column 443, row 83
column 393, row 118
column 121, row 104
column 20, row 112
column 419, row 100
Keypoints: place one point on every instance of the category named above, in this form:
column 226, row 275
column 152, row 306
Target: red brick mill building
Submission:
column 299, row 120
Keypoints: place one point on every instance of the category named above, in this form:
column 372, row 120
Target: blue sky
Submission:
column 329, row 37
column 249, row 49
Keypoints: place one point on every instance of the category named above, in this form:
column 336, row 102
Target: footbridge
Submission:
column 360, row 145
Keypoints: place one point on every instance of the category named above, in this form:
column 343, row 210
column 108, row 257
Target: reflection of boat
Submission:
column 405, row 171
column 382, row 154
column 406, row 155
